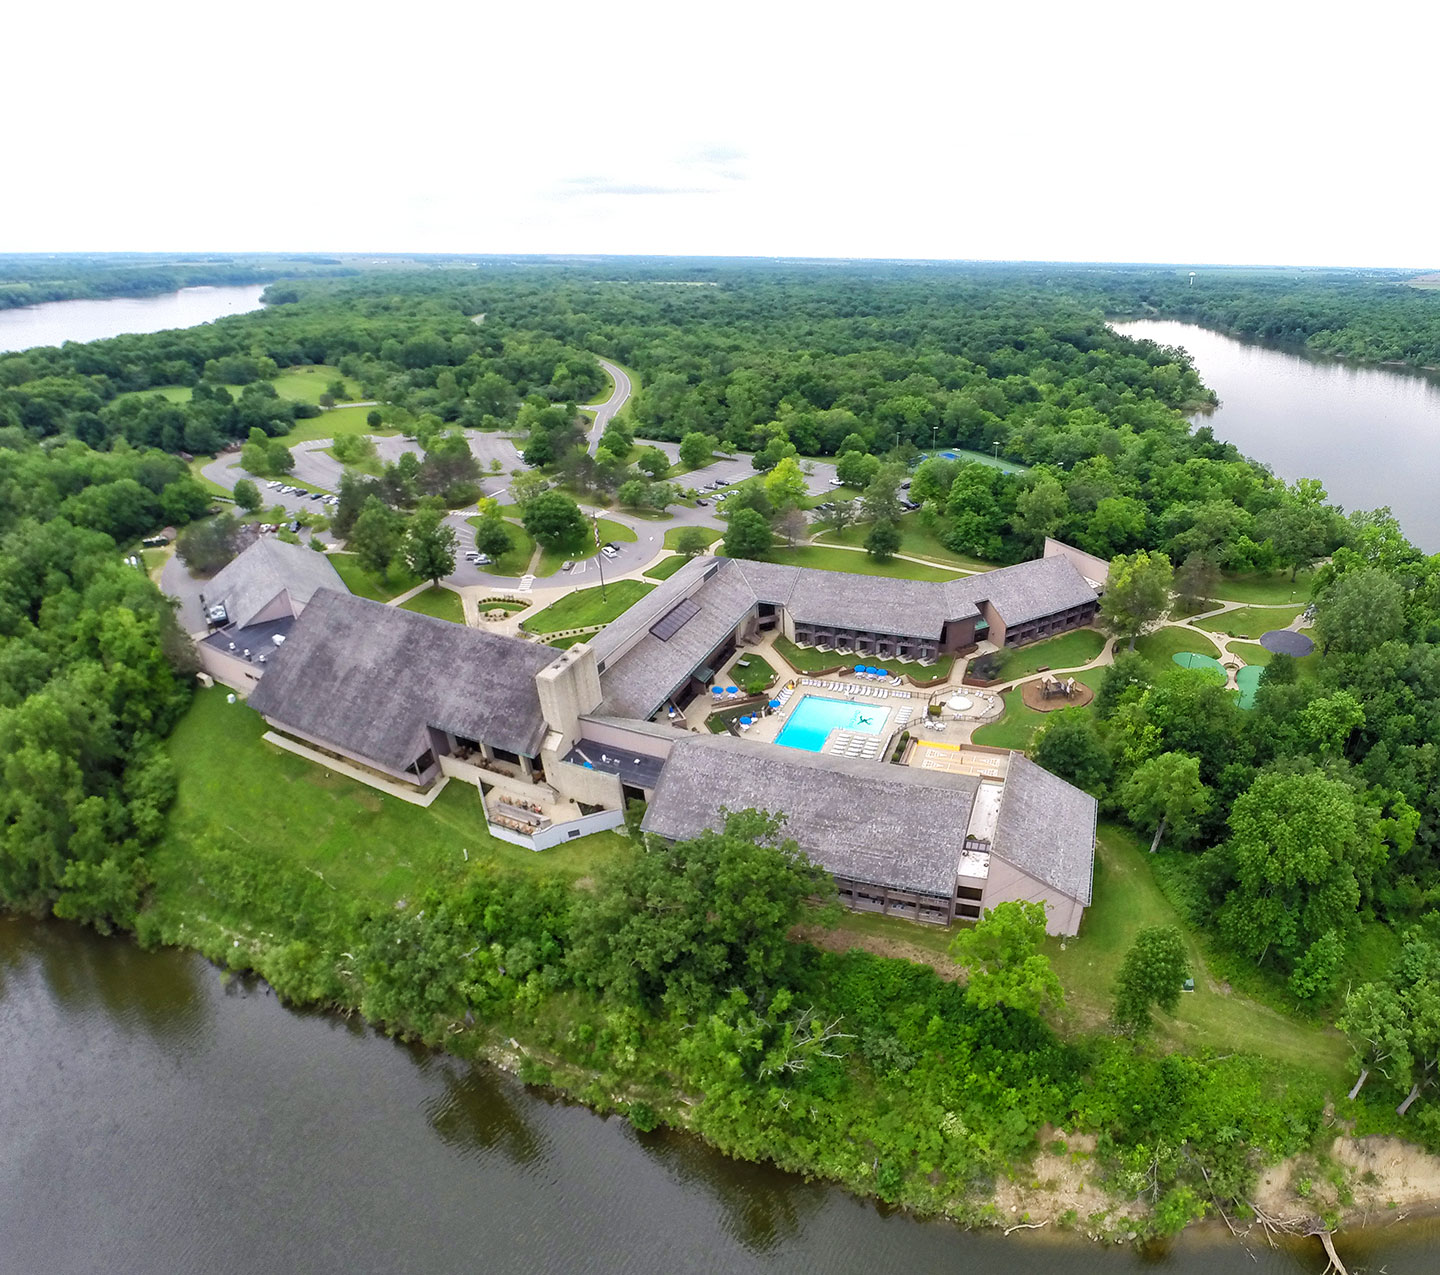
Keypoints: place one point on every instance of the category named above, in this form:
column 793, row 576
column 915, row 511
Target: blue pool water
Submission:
column 814, row 717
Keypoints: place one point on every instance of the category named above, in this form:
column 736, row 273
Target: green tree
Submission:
column 1165, row 794
column 492, row 536
column 682, row 925
column 555, row 520
column 376, row 537
column 279, row 459
column 634, row 493
column 696, row 449
column 1197, row 580
column 525, row 486
column 748, row 536
column 654, row 462
column 856, row 469
column 1151, row 977
column 785, row 484
column 1137, row 595
column 691, row 541
column 207, row 545
column 1040, row 510
column 883, row 541
column 1069, row 746
column 1363, row 610
column 374, row 419
column 247, row 495
column 1300, row 532
column 1003, row 961
column 429, row 546
column 881, row 501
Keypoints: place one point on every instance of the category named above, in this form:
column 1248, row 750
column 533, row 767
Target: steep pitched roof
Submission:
column 252, row 580
column 1024, row 592
column 1046, row 828
column 371, row 678
column 892, row 826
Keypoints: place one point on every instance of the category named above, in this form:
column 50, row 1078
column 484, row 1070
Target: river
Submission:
column 157, row 1117
column 58, row 321
column 1370, row 434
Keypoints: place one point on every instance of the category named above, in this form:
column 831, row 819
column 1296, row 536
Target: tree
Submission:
column 1363, row 610
column 430, row 546
column 247, row 495
column 1040, row 510
column 881, row 500
column 1003, row 961
column 1165, row 794
column 374, row 419
column 207, row 545
column 793, row 526
column 1300, row 532
column 278, row 458
column 653, row 462
column 1152, row 976
column 683, row 925
column 1070, row 746
column 1137, row 595
column 1196, row 581
column 691, row 541
column 555, row 520
column 492, row 536
column 840, row 515
column 883, row 541
column 376, row 536
column 633, row 493
column 1378, row 1027
column 526, row 485
column 856, row 469
column 785, row 484
column 696, row 449
column 749, row 535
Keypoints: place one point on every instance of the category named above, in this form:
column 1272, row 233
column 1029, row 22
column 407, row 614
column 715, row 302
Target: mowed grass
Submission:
column 1250, row 621
column 1159, row 646
column 552, row 559
column 334, row 423
column 914, row 539
column 366, row 584
column 522, row 548
column 1017, row 725
column 442, row 603
column 306, row 384
column 666, row 567
column 1254, row 653
column 1127, row 899
column 672, row 541
column 831, row 559
column 238, row 791
column 588, row 606
column 1272, row 589
column 1066, row 651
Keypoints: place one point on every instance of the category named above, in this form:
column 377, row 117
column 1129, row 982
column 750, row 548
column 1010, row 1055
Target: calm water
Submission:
column 155, row 1119
column 814, row 717
column 1371, row 434
column 58, row 321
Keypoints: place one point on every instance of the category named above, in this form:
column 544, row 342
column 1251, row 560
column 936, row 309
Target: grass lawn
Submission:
column 667, row 567
column 274, row 806
column 442, row 603
column 366, row 584
column 805, row 659
column 1127, row 900
column 586, row 606
column 1273, row 589
column 551, row 559
column 306, row 384
column 752, row 673
column 830, row 559
column 1250, row 622
column 522, row 549
column 569, row 641
column 1065, row 651
column 1159, row 646
column 712, row 534
column 337, row 421
column 914, row 539
column 1254, row 653
column 1018, row 723
column 371, row 465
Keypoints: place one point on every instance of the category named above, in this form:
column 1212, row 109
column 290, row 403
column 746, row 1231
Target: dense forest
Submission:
column 1302, row 835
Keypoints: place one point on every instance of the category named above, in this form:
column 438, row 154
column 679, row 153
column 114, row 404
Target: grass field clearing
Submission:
column 587, row 606
column 366, row 584
column 442, row 603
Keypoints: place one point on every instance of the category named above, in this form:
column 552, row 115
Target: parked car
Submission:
column 835, row 482
column 610, row 551
column 482, row 559
column 273, row 485
column 565, row 566
column 704, row 504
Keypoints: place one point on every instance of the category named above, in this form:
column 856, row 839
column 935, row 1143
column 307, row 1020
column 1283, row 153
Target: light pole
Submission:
column 934, row 436
column 997, row 453
column 599, row 557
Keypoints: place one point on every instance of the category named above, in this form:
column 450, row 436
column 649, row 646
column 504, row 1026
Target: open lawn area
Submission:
column 366, row 584
column 237, row 791
column 442, row 603
column 1066, row 651
column 586, row 606
column 334, row 423
column 1249, row 622
column 1018, row 723
column 1159, row 646
column 805, row 659
column 1254, row 653
column 522, row 549
column 667, row 567
column 831, row 559
column 751, row 673
column 1272, row 589
column 914, row 539
column 552, row 559
column 712, row 534
column 305, row 384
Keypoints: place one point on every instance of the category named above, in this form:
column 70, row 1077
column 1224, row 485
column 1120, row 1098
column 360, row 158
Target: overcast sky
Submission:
column 1213, row 132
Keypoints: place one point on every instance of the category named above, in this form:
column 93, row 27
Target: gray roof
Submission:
column 371, row 678
column 1046, row 828
column 905, row 608
column 1027, row 591
column 894, row 826
column 638, row 619
column 251, row 581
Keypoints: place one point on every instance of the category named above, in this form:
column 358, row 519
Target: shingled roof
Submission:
column 1046, row 828
column 891, row 826
column 371, row 678
column 1027, row 591
column 267, row 568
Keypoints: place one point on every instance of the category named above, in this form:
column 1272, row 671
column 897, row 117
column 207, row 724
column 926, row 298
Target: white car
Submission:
column 273, row 485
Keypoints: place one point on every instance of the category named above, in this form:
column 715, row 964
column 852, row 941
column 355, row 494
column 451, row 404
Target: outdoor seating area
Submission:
column 517, row 815
column 843, row 744
column 850, row 688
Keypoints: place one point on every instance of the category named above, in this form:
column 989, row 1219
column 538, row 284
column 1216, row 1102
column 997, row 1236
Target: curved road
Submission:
column 605, row 411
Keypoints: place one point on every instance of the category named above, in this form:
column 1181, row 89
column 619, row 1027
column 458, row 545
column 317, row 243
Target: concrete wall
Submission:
column 997, row 624
column 583, row 785
column 569, row 686
column 1006, row 882
column 1087, row 564
column 650, row 740
column 559, row 833
column 230, row 670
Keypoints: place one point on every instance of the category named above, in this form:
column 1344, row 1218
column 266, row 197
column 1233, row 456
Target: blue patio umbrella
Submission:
column 733, row 690
column 884, row 672
column 859, row 668
column 746, row 720
column 717, row 690
column 774, row 703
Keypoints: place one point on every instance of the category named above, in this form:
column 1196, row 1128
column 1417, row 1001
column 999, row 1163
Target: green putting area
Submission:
column 1193, row 659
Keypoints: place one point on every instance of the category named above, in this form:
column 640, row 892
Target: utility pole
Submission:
column 934, row 435
column 997, row 453
column 599, row 557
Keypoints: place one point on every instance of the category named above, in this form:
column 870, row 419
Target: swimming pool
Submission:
column 814, row 717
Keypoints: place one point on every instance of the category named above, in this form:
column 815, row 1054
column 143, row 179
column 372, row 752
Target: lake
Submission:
column 155, row 1117
column 1370, row 434
column 58, row 321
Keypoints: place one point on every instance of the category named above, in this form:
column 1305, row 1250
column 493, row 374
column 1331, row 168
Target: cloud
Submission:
column 581, row 187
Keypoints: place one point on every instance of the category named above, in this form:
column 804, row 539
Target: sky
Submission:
column 1264, row 132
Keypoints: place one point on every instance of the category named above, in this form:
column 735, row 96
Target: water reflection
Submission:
column 476, row 1111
